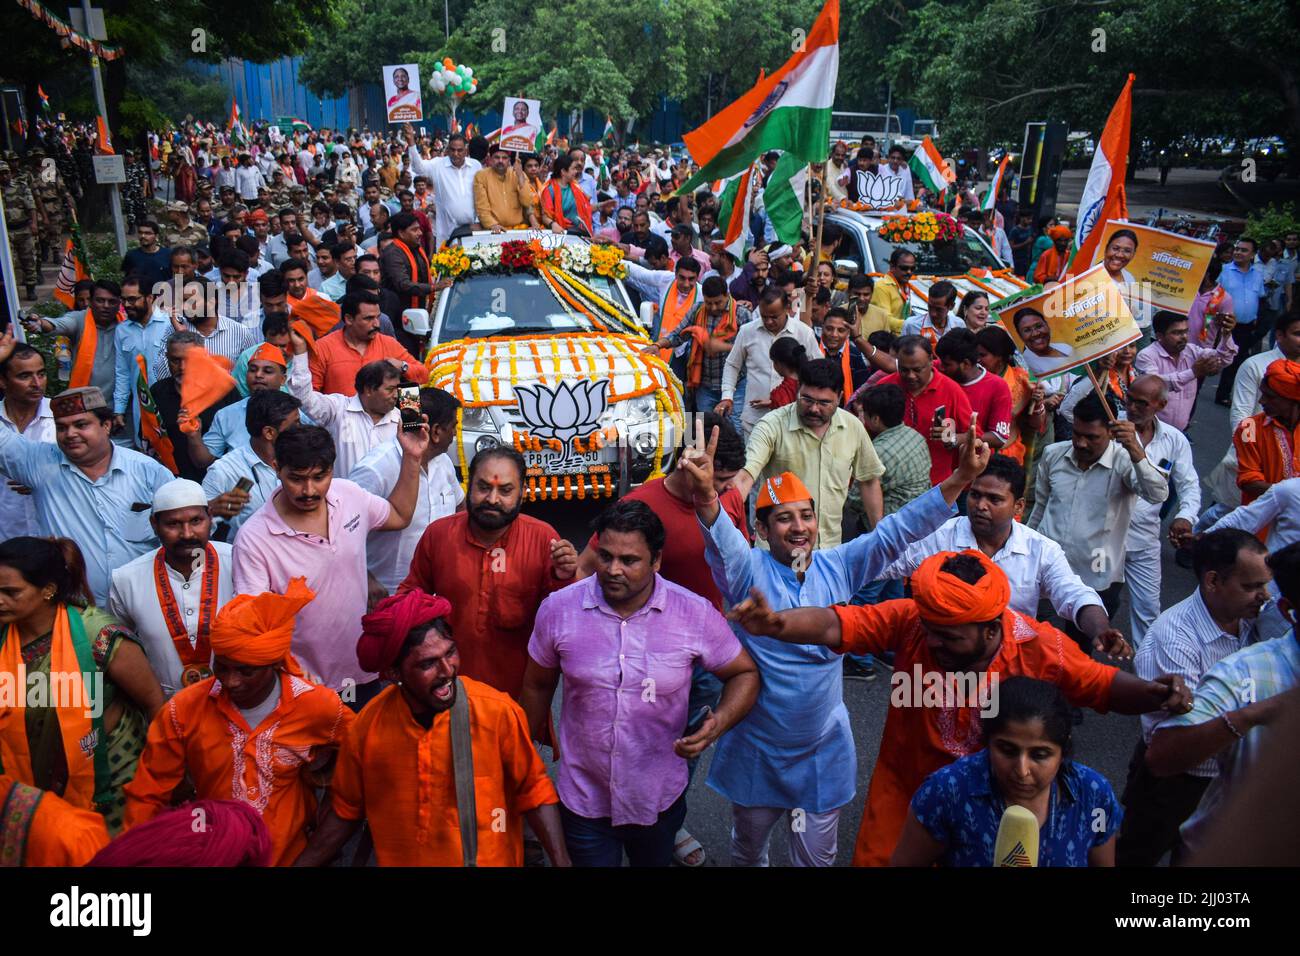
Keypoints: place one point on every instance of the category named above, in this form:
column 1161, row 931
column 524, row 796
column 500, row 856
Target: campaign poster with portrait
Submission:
column 1068, row 325
column 1164, row 267
column 402, row 93
column 521, row 121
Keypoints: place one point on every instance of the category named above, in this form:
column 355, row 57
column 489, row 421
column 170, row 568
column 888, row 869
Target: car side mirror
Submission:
column 846, row 268
column 647, row 314
column 416, row 321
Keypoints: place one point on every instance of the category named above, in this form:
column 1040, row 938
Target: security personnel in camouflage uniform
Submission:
column 182, row 231
column 280, row 195
column 20, row 217
column 52, row 201
column 135, row 191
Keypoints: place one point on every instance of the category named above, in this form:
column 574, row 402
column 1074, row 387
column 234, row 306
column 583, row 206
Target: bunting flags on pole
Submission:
column 73, row 269
column 64, row 29
column 104, row 142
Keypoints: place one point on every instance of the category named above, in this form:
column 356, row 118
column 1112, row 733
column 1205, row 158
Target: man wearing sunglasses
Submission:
column 891, row 293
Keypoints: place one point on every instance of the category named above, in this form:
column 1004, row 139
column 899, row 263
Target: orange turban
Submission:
column 1058, row 232
column 782, row 489
column 266, row 352
column 1283, row 377
column 944, row 598
column 256, row 630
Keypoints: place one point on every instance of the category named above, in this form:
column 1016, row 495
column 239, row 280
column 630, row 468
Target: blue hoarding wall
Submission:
column 267, row 91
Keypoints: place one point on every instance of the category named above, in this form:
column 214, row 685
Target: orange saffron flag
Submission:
column 317, row 311
column 205, row 380
column 151, row 426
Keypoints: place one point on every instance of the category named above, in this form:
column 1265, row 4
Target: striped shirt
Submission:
column 1254, row 673
column 228, row 339
column 1186, row 640
column 906, row 458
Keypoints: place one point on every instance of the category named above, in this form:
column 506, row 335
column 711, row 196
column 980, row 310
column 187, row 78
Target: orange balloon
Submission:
column 447, row 63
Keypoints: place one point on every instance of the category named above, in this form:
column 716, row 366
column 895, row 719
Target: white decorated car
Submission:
column 539, row 341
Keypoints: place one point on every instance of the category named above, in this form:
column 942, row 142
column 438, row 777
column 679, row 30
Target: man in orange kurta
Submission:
column 39, row 828
column 225, row 734
column 957, row 624
column 337, row 357
column 1268, row 443
column 498, row 564
column 396, row 767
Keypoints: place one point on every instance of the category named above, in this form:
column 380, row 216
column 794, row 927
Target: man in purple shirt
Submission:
column 626, row 640
column 1182, row 364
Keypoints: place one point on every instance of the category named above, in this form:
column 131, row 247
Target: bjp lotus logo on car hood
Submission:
column 565, row 411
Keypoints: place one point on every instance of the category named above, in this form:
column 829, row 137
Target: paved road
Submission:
column 1102, row 742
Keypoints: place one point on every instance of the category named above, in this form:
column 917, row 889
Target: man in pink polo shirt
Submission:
column 314, row 526
column 1183, row 364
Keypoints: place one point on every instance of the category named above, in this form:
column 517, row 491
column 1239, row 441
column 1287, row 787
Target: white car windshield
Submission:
column 518, row 303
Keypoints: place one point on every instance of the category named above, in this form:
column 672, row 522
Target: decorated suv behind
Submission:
column 538, row 339
column 964, row 260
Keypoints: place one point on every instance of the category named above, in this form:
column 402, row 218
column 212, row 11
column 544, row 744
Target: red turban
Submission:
column 257, row 630
column 199, row 833
column 782, row 489
column 944, row 598
column 1283, row 377
column 385, row 628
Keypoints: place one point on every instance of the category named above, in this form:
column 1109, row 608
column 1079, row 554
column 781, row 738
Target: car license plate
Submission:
column 551, row 463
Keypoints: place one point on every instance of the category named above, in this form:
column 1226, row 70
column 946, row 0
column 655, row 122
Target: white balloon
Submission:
column 469, row 71
column 450, row 76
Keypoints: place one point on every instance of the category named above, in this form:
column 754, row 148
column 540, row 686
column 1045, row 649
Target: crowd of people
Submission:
column 283, row 599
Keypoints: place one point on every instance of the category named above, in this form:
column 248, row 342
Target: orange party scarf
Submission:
column 723, row 330
column 417, row 301
column 553, row 202
column 84, row 365
column 196, row 657
column 85, row 745
column 672, row 314
column 846, row 367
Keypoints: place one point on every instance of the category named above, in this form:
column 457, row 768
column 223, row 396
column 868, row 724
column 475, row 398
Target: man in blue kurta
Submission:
column 793, row 753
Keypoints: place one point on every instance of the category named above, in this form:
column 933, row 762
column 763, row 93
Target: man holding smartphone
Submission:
column 934, row 403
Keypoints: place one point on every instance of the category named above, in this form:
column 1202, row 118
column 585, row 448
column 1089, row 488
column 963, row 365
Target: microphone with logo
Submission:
column 1017, row 843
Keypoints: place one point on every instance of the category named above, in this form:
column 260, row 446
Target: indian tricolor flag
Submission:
column 733, row 212
column 930, row 167
column 234, row 124
column 995, row 187
column 608, row 132
column 788, row 110
column 1103, row 194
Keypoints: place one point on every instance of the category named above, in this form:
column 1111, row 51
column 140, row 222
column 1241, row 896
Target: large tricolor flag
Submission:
column 788, row 110
column 733, row 212
column 785, row 197
column 1103, row 194
column 931, row 168
column 991, row 197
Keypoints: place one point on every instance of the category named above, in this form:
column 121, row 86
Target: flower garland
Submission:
column 578, row 258
column 449, row 262
column 447, row 361
column 923, row 227
column 867, row 207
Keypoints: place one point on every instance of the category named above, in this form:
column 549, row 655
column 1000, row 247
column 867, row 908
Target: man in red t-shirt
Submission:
column 682, row 563
column 670, row 498
column 928, row 391
column 989, row 395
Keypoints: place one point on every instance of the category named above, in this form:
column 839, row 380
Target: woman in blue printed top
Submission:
column 955, row 814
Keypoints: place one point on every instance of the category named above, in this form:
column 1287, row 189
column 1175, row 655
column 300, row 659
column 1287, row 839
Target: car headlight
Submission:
column 477, row 419
column 642, row 409
column 645, row 443
column 485, row 442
